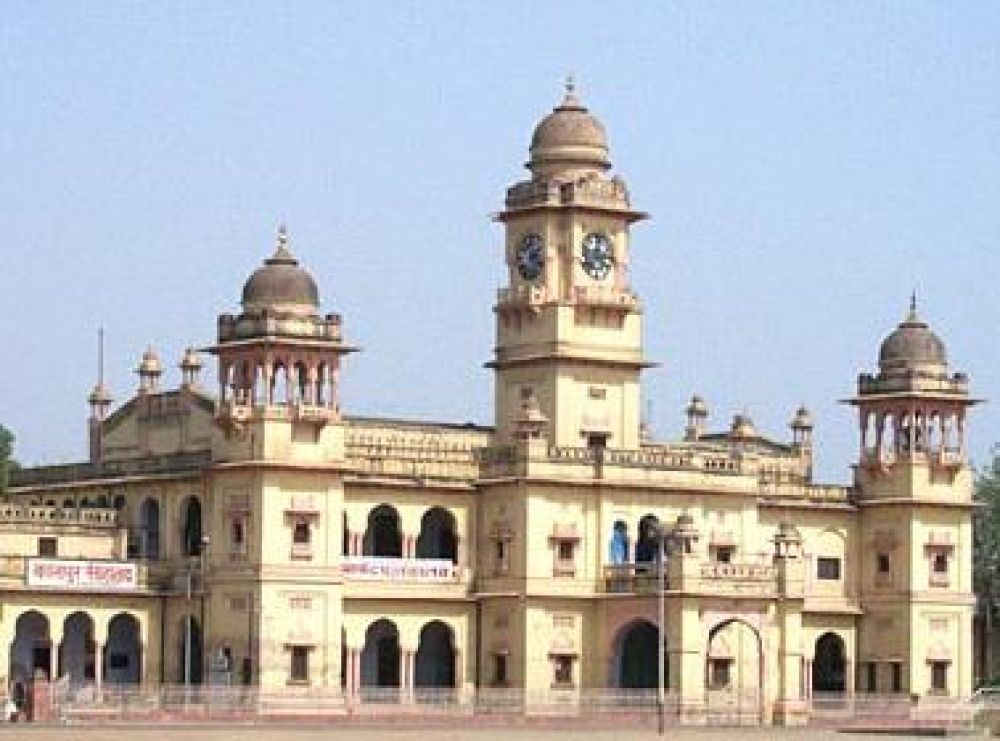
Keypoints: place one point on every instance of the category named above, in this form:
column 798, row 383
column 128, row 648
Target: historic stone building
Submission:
column 261, row 534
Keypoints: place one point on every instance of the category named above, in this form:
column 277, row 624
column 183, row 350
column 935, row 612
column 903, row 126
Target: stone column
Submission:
column 461, row 558
column 98, row 666
column 404, row 675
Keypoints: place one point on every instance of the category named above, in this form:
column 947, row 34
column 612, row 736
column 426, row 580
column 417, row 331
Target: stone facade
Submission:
column 278, row 541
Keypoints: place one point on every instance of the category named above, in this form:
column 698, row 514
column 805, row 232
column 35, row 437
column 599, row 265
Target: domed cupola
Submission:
column 912, row 347
column 569, row 141
column 281, row 284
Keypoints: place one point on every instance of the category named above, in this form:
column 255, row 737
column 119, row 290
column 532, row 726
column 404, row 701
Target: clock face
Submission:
column 530, row 256
column 596, row 256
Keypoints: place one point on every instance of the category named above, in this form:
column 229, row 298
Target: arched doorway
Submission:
column 149, row 529
column 123, row 653
column 734, row 674
column 380, row 656
column 31, row 651
column 383, row 537
column 647, row 544
column 437, row 535
column 435, row 662
column 191, row 535
column 76, row 653
column 829, row 669
column 190, row 658
column 637, row 664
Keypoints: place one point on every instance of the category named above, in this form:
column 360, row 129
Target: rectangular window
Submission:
column 501, row 562
column 236, row 534
column 500, row 669
column 299, row 670
column 718, row 673
column 939, row 677
column 897, row 676
column 883, row 563
column 302, row 534
column 48, row 547
column 871, row 676
column 724, row 554
column 940, row 563
column 828, row 569
column 597, row 441
column 563, row 668
column 565, row 558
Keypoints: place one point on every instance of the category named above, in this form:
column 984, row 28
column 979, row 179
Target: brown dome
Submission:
column 570, row 136
column 912, row 345
column 280, row 282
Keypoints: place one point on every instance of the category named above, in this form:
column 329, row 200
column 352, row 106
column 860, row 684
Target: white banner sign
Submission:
column 101, row 576
column 398, row 569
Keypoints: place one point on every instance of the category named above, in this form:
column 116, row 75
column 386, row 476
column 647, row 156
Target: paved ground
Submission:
column 288, row 733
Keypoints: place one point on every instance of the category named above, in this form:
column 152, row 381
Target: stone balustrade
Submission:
column 110, row 469
column 44, row 515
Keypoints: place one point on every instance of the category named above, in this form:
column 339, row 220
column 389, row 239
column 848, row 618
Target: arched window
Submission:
column 435, row 660
column 192, row 527
column 437, row 535
column 618, row 545
column 649, row 533
column 383, row 536
column 149, row 529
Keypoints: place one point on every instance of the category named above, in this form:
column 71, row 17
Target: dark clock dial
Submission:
column 596, row 255
column 530, row 256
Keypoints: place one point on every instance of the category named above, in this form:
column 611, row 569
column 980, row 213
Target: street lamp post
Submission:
column 661, row 692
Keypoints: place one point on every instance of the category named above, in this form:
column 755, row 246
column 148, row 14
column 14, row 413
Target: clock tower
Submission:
column 568, row 323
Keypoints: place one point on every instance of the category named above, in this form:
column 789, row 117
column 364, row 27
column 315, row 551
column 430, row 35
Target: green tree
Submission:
column 7, row 462
column 986, row 554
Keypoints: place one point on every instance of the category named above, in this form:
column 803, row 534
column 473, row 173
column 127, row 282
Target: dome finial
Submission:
column 913, row 305
column 570, row 84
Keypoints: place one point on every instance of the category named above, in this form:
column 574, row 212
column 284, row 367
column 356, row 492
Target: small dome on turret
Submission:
column 280, row 283
column 742, row 427
column 802, row 419
column 100, row 395
column 190, row 361
column 569, row 138
column 697, row 407
column 912, row 346
column 150, row 364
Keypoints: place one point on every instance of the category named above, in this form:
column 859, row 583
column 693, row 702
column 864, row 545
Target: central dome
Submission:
column 569, row 138
column 280, row 283
column 912, row 346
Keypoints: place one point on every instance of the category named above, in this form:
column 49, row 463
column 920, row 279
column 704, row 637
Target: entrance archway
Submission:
column 31, row 650
column 380, row 656
column 829, row 669
column 435, row 662
column 734, row 674
column 637, row 663
column 123, row 653
column 437, row 535
column 76, row 653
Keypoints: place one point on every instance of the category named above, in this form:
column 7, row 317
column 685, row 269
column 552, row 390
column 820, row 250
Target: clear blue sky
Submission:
column 806, row 164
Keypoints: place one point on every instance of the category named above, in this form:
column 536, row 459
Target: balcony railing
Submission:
column 631, row 578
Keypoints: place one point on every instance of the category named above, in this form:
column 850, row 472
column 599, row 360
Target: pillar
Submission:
column 98, row 665
column 406, row 674
column 692, row 663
